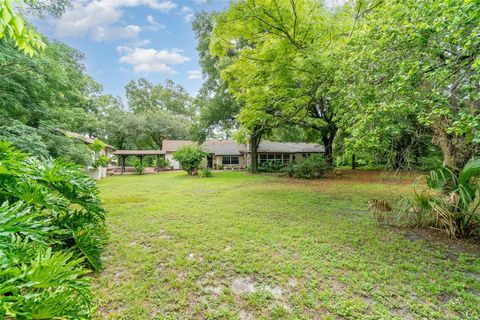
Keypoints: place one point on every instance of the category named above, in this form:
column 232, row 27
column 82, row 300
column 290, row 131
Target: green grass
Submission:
column 237, row 246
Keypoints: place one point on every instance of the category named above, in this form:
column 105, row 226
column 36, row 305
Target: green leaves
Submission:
column 190, row 158
column 26, row 221
column 52, row 225
column 418, row 56
column 50, row 285
column 16, row 28
column 87, row 242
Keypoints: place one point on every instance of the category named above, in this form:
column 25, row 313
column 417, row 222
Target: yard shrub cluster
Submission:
column 99, row 160
column 313, row 167
column 204, row 173
column 190, row 158
column 139, row 167
column 452, row 202
column 52, row 230
column 270, row 167
column 163, row 163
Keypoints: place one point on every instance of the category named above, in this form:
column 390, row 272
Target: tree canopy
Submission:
column 395, row 79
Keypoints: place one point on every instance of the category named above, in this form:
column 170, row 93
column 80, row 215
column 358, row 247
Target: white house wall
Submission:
column 175, row 164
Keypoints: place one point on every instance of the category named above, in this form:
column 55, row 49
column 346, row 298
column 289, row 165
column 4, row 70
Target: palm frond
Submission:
column 441, row 178
column 471, row 169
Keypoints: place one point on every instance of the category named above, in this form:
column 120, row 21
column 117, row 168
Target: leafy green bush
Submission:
column 163, row 163
column 52, row 229
column 97, row 145
column 452, row 204
column 45, row 141
column 101, row 161
column 204, row 173
column 139, row 168
column 313, row 167
column 190, row 158
column 270, row 167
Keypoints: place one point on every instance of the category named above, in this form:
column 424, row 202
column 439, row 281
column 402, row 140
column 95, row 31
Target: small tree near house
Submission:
column 190, row 158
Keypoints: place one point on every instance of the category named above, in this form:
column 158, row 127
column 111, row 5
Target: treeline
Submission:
column 388, row 81
column 41, row 95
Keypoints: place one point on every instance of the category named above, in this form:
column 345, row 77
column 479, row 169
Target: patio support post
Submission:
column 123, row 163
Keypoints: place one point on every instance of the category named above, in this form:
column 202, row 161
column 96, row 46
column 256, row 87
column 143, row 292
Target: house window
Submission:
column 263, row 158
column 230, row 160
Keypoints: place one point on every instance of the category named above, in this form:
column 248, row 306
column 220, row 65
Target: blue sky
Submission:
column 127, row 39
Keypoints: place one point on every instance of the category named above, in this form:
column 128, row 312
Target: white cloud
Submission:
column 149, row 60
column 99, row 19
column 140, row 43
column 194, row 74
column 115, row 33
column 154, row 25
column 187, row 13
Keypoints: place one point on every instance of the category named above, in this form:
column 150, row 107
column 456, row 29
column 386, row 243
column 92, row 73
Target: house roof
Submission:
column 289, row 147
column 174, row 145
column 223, row 147
column 137, row 152
column 85, row 139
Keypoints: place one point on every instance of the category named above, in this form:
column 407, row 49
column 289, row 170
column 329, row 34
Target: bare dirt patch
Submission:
column 438, row 238
column 243, row 285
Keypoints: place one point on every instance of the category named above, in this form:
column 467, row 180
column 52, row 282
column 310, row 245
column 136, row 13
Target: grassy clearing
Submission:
column 238, row 246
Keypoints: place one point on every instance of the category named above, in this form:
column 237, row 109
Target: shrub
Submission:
column 101, row 161
column 452, row 202
column 44, row 141
column 204, row 173
column 97, row 145
column 190, row 158
column 138, row 165
column 24, row 138
column 52, row 229
column 313, row 167
column 270, row 167
column 163, row 163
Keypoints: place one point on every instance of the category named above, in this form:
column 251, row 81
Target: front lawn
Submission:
column 238, row 246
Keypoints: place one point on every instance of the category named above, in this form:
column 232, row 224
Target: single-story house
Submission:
column 225, row 153
column 284, row 152
column 229, row 154
column 232, row 155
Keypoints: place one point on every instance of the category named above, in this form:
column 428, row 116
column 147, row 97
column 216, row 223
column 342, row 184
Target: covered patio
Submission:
column 124, row 154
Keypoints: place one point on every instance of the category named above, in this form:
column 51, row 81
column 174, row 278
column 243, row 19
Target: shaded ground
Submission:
column 238, row 246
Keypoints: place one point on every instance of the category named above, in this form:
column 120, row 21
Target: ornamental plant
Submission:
column 52, row 231
column 451, row 204
column 313, row 167
column 190, row 158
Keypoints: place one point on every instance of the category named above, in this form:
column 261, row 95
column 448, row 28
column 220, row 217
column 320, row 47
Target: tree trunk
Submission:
column 328, row 136
column 254, row 142
column 321, row 110
column 354, row 163
column 455, row 151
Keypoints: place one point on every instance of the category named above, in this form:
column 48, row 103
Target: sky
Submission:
column 124, row 40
